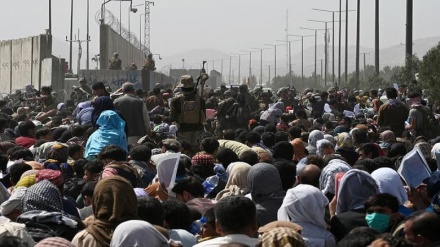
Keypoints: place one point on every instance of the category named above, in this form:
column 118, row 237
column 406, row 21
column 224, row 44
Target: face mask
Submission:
column 378, row 221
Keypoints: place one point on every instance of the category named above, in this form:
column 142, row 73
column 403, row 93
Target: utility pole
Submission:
column 71, row 36
column 239, row 66
column 261, row 63
column 409, row 30
column 302, row 55
column 376, row 39
column 358, row 33
column 275, row 63
column 88, row 36
column 290, row 60
column 365, row 65
column 346, row 41
column 316, row 46
column 269, row 75
column 50, row 17
column 79, row 50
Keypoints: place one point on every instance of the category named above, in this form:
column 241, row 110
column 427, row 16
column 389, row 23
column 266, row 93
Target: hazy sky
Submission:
column 225, row 25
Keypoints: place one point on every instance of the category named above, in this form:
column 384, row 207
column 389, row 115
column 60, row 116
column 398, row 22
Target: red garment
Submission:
column 24, row 141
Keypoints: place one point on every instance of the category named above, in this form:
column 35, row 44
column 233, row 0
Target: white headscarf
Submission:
column 304, row 203
column 137, row 233
column 389, row 181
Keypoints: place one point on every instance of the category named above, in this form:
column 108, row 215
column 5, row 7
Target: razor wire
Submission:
column 115, row 24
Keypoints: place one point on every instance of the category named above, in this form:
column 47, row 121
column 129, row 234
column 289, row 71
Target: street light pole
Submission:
column 71, row 36
column 302, row 55
column 290, row 58
column 275, row 62
column 88, row 34
column 50, row 17
column 261, row 63
column 358, row 23
column 376, row 39
column 316, row 47
column 346, row 41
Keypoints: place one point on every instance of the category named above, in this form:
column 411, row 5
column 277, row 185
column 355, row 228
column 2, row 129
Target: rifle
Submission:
column 201, row 79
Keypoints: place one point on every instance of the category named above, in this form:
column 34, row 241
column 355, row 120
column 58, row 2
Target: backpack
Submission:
column 191, row 111
column 430, row 127
column 239, row 114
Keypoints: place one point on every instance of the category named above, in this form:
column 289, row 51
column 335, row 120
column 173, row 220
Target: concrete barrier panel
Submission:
column 17, row 65
column 26, row 59
column 36, row 64
column 5, row 66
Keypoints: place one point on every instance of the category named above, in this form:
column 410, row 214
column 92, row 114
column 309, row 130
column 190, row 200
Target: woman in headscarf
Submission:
column 101, row 104
column 281, row 236
column 355, row 188
column 314, row 137
column 345, row 148
column 324, row 147
column 266, row 190
column 390, row 182
column 137, row 233
column 327, row 178
column 305, row 205
column 114, row 202
column 43, row 204
column 111, row 131
column 299, row 150
column 237, row 181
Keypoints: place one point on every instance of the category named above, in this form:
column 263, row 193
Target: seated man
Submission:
column 236, row 222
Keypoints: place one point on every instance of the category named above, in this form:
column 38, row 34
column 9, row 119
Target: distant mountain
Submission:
column 389, row 56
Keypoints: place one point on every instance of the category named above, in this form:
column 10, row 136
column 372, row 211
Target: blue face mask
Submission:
column 378, row 221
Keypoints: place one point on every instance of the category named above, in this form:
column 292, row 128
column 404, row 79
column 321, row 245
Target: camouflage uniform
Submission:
column 189, row 132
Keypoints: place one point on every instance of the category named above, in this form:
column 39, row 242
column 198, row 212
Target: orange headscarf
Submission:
column 298, row 149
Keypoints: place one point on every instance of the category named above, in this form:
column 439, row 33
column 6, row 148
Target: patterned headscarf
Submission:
column 56, row 177
column 264, row 182
column 44, row 196
column 202, row 159
column 114, row 202
column 54, row 241
column 327, row 178
column 281, row 236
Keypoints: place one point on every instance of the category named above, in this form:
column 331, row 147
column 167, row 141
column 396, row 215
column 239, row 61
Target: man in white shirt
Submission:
column 235, row 222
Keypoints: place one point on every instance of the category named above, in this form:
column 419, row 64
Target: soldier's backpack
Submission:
column 430, row 127
column 191, row 112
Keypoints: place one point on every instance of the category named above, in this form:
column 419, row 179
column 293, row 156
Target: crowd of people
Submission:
column 253, row 168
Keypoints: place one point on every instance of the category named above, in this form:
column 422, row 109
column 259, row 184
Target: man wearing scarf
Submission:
column 393, row 113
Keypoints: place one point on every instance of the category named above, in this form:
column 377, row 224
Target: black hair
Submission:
column 283, row 150
column 177, row 215
column 226, row 156
column 151, row 210
column 77, row 130
column 140, row 153
column 235, row 213
column 287, row 171
column 369, row 149
column 360, row 136
column 281, row 136
column 384, row 161
column 295, row 132
column 316, row 160
column 78, row 167
column 98, row 85
column 204, row 171
column 18, row 152
column 25, row 127
column 73, row 149
column 94, row 167
column 46, row 89
column 268, row 139
column 88, row 188
column 42, row 132
column 210, row 144
column 359, row 237
column 249, row 156
column 253, row 137
column 383, row 200
column 191, row 185
column 17, row 170
column 391, row 93
column 229, row 134
column 113, row 152
column 369, row 165
column 270, row 127
column 301, row 113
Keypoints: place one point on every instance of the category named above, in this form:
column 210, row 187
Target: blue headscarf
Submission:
column 110, row 132
column 101, row 104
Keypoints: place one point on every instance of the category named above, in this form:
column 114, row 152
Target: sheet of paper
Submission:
column 167, row 168
column 413, row 168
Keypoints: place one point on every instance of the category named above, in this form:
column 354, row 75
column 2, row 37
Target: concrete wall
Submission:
column 21, row 61
column 111, row 42
column 115, row 78
column 5, row 66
